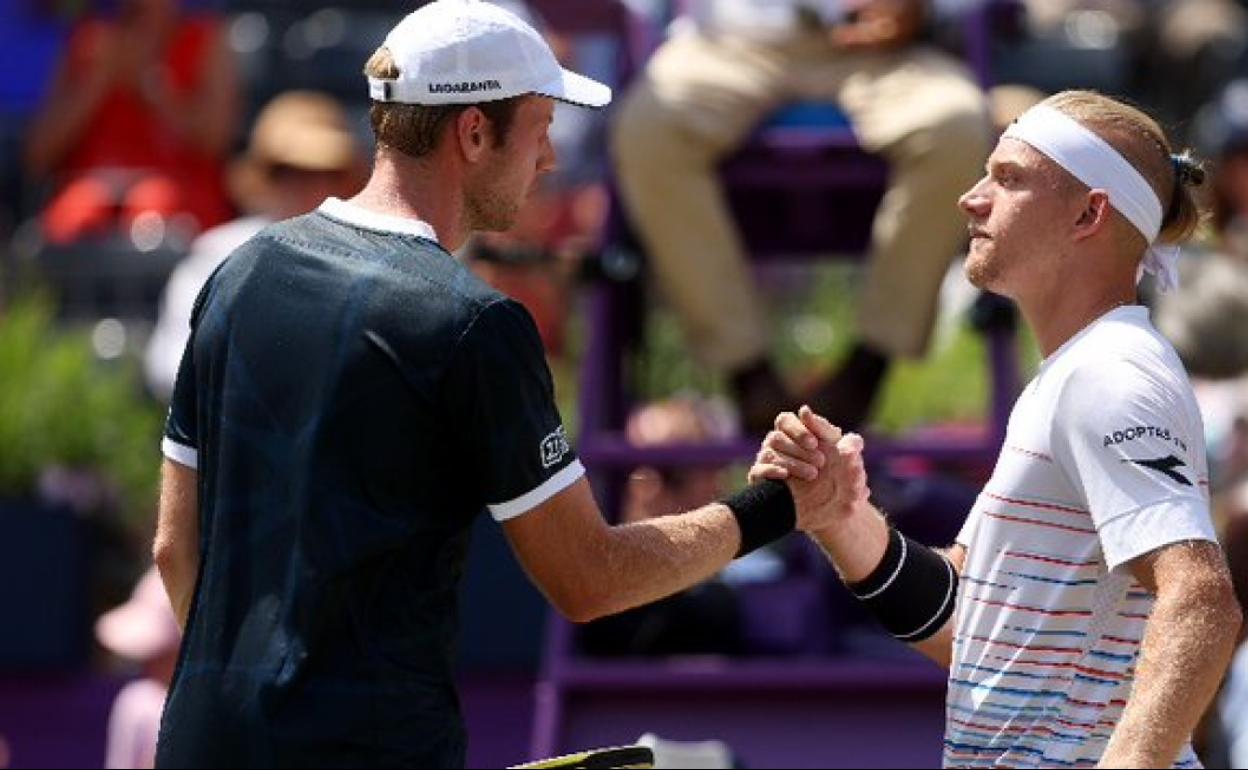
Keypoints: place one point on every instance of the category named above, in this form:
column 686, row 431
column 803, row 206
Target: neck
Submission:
column 424, row 189
column 1071, row 307
column 1081, row 286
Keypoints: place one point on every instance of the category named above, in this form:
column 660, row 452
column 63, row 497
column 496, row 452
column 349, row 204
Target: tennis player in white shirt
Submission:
column 1085, row 612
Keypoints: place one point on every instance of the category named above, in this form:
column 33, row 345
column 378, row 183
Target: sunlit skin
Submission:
column 492, row 181
column 1014, row 216
column 502, row 180
column 1045, row 240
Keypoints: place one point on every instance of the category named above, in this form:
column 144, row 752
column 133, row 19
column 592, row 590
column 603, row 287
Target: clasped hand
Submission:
column 822, row 466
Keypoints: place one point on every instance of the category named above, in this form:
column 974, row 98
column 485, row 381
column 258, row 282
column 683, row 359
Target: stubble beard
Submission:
column 487, row 208
column 981, row 270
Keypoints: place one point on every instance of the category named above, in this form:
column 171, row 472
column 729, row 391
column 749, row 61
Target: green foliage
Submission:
column 61, row 406
column 950, row 386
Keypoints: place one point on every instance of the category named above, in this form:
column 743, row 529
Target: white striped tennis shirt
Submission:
column 1104, row 460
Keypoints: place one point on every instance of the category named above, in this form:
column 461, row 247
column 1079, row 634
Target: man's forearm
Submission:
column 856, row 549
column 1187, row 646
column 588, row 569
column 856, row 545
column 178, row 564
column 176, row 547
column 178, row 575
column 648, row 560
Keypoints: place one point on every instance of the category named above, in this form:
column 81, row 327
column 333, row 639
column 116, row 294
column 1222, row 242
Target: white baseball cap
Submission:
column 470, row 51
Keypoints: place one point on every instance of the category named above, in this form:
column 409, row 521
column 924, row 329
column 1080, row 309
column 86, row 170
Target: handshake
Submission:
column 909, row 587
column 822, row 467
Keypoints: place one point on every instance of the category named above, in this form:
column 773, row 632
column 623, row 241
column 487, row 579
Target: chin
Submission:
column 977, row 270
column 495, row 221
column 986, row 277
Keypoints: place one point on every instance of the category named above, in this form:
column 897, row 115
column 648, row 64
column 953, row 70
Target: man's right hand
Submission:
column 822, row 466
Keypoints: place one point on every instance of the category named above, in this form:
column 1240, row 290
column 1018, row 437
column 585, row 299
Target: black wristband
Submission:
column 765, row 512
column 912, row 591
column 884, row 571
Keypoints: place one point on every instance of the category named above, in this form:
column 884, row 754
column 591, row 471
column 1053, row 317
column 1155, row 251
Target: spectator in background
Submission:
column 660, row 491
column 702, row 619
column 143, row 631
column 1221, row 131
column 698, row 99
column 1198, row 46
column 301, row 152
column 1172, row 55
column 139, row 118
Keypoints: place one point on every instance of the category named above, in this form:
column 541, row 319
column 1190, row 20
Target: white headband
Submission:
column 1093, row 161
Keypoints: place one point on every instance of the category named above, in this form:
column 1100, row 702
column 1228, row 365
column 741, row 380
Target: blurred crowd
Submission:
column 176, row 130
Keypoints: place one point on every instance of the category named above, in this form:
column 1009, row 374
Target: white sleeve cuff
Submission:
column 1146, row 529
column 180, row 453
column 530, row 500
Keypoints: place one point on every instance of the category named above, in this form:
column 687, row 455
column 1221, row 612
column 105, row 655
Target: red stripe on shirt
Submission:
column 1053, row 560
column 1029, row 648
column 1037, row 610
column 1037, row 504
column 1038, row 523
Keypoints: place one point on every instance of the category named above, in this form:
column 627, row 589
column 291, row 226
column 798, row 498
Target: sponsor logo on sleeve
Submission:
column 1138, row 432
column 554, row 447
column 1166, row 466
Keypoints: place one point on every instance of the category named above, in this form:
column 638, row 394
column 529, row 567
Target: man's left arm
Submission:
column 176, row 546
column 1187, row 646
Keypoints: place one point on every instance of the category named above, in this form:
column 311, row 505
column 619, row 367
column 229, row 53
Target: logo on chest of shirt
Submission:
column 554, row 447
column 1166, row 466
column 1138, row 432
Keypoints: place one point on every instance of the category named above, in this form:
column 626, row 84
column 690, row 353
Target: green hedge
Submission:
column 62, row 406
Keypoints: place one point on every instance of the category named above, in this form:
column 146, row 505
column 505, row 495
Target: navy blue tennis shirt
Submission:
column 352, row 398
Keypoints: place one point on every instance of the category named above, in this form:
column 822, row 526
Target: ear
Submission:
column 1094, row 216
column 472, row 132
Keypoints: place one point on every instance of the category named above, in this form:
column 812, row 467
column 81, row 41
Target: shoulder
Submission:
column 502, row 321
column 1116, row 392
column 411, row 279
column 1119, row 359
column 211, row 248
column 226, row 237
column 1115, row 386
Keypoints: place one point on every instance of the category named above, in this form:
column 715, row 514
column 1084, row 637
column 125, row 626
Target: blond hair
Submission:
column 1139, row 139
column 415, row 129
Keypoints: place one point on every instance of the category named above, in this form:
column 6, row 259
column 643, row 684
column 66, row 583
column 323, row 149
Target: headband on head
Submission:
column 1095, row 162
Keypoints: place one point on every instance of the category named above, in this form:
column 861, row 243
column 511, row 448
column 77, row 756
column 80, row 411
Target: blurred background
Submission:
column 142, row 140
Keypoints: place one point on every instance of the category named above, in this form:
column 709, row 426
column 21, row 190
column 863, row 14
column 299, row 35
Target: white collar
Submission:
column 1132, row 313
column 359, row 216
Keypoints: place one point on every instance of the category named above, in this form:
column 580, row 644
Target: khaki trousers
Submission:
column 696, row 102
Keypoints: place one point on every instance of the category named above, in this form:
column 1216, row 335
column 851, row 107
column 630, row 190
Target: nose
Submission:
column 975, row 201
